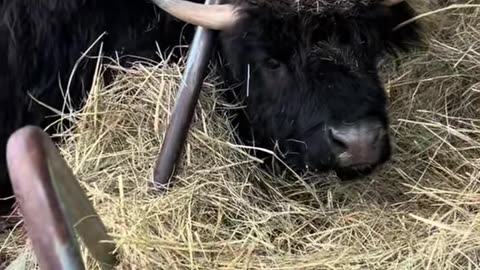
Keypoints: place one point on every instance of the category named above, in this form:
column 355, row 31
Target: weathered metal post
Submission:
column 53, row 204
column 195, row 71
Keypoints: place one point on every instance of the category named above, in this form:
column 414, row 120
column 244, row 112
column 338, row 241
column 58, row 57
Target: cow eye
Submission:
column 272, row 63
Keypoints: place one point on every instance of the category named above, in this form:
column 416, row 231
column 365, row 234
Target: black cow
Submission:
column 306, row 70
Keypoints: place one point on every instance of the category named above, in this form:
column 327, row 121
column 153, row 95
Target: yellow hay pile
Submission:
column 223, row 212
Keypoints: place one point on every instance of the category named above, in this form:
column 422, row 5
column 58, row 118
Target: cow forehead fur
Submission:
column 346, row 7
column 366, row 23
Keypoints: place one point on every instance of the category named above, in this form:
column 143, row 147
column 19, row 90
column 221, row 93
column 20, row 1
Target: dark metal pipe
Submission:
column 198, row 57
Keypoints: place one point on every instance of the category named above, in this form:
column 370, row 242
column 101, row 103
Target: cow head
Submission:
column 309, row 76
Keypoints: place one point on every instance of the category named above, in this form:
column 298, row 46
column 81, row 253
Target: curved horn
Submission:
column 389, row 3
column 215, row 17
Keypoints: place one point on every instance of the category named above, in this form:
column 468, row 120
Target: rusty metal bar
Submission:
column 54, row 205
column 199, row 54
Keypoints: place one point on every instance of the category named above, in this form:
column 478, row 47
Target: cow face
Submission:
column 310, row 81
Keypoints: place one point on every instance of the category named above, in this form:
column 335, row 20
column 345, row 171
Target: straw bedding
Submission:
column 421, row 211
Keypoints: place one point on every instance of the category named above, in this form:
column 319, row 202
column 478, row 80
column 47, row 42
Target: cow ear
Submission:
column 396, row 34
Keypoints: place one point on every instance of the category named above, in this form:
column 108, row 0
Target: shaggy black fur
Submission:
column 41, row 40
column 307, row 69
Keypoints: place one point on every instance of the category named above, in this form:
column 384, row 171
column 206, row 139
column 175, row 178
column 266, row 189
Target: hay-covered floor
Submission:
column 421, row 211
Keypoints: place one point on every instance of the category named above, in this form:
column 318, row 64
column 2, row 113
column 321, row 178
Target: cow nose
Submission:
column 357, row 144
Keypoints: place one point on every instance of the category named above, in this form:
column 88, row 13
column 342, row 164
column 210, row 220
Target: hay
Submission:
column 223, row 212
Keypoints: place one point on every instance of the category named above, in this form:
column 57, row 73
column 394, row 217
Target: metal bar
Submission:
column 53, row 203
column 186, row 100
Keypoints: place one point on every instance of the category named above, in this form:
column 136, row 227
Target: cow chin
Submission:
column 344, row 173
column 355, row 173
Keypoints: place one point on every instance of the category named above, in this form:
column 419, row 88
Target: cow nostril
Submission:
column 337, row 140
column 377, row 134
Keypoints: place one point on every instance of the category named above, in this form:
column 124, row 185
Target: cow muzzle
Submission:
column 358, row 147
